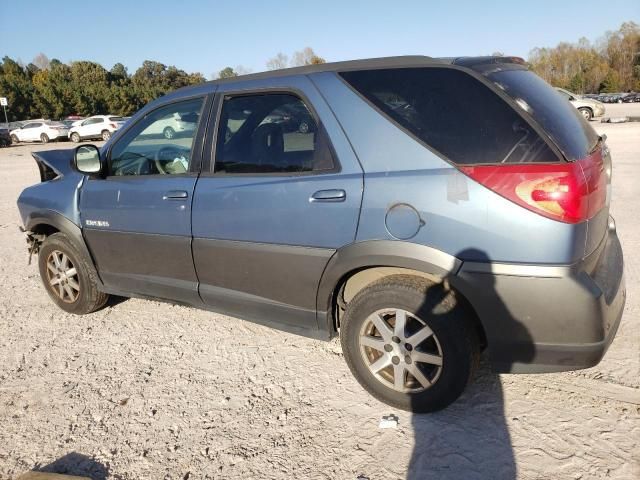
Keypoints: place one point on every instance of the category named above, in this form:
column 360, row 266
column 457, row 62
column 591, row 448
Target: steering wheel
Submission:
column 165, row 155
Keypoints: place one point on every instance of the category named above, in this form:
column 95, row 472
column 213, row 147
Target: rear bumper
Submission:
column 548, row 318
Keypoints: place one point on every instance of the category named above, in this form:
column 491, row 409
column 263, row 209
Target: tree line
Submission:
column 52, row 89
column 610, row 65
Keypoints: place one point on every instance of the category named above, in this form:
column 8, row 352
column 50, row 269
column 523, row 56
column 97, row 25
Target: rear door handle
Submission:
column 329, row 196
column 175, row 195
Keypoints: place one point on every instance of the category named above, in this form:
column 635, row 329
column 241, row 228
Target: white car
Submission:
column 98, row 126
column 173, row 124
column 39, row 131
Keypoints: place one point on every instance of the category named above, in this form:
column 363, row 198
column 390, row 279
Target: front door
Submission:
column 276, row 207
column 137, row 220
column 91, row 127
column 31, row 131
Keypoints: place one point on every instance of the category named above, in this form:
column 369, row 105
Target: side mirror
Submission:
column 87, row 159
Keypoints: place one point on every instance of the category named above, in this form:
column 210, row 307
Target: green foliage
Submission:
column 227, row 72
column 611, row 83
column 17, row 87
column 84, row 88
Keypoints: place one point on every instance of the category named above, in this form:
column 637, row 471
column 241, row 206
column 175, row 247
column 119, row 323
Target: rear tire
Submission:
column 445, row 350
column 106, row 135
column 586, row 113
column 44, row 138
column 67, row 276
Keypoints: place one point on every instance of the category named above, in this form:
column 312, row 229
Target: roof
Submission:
column 364, row 64
column 383, row 62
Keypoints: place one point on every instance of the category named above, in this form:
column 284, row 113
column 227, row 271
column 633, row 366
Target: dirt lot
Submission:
column 143, row 389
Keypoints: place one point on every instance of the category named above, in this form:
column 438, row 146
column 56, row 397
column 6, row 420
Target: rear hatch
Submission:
column 508, row 130
column 578, row 191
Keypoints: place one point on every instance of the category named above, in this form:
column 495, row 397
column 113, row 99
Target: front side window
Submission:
column 270, row 133
column 453, row 113
column 159, row 143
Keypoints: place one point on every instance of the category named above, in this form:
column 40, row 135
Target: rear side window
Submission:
column 560, row 119
column 453, row 113
column 270, row 133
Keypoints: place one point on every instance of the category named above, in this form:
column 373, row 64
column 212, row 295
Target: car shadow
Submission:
column 75, row 463
column 470, row 439
column 115, row 300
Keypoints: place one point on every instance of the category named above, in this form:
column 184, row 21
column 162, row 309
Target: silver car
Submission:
column 588, row 107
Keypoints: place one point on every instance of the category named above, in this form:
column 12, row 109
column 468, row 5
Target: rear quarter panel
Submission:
column 459, row 216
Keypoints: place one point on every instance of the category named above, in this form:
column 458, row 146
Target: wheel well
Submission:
column 356, row 280
column 44, row 229
column 586, row 108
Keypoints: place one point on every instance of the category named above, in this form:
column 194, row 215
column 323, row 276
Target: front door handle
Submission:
column 175, row 195
column 336, row 195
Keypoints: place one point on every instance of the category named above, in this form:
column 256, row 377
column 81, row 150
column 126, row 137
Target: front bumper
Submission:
column 548, row 318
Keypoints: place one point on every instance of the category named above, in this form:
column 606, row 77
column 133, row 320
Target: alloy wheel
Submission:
column 400, row 350
column 63, row 276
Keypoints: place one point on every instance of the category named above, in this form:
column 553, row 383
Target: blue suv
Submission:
column 425, row 209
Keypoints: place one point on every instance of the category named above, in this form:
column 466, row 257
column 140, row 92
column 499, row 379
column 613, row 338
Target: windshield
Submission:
column 562, row 122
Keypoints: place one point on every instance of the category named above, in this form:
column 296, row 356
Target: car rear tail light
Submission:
column 570, row 192
column 113, row 125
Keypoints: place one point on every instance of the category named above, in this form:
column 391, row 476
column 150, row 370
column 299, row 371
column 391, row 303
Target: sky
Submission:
column 206, row 36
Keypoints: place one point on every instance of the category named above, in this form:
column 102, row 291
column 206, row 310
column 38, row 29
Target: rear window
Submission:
column 453, row 113
column 117, row 119
column 561, row 120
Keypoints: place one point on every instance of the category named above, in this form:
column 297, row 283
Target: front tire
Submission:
column 75, row 137
column 44, row 138
column 169, row 133
column 14, row 139
column 67, row 276
column 586, row 113
column 410, row 343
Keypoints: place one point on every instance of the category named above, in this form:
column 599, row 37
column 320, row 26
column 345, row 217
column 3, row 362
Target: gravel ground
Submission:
column 145, row 389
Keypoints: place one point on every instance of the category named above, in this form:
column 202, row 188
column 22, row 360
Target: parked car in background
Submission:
column 71, row 123
column 15, row 125
column 612, row 98
column 292, row 118
column 475, row 217
column 588, row 107
column 5, row 136
column 40, row 131
column 631, row 98
column 173, row 124
column 96, row 127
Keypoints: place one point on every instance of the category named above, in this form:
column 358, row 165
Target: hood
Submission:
column 54, row 163
column 591, row 101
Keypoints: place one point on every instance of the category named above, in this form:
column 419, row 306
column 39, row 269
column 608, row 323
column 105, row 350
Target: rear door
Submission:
column 283, row 193
column 137, row 220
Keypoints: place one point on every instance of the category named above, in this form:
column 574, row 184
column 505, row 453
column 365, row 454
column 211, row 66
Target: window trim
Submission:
column 209, row 163
column 196, row 151
column 485, row 81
